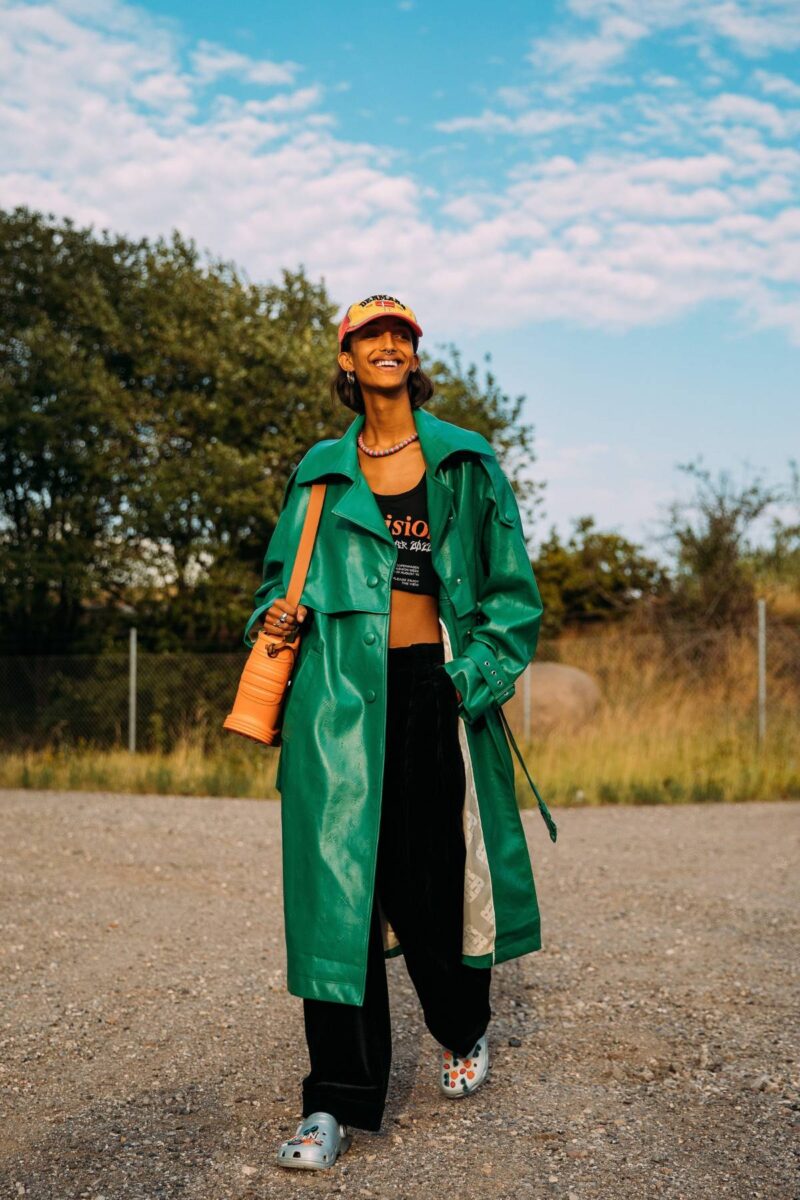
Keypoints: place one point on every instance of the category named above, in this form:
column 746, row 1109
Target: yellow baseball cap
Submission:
column 376, row 306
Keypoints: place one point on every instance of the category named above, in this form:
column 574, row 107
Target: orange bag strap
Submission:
column 307, row 536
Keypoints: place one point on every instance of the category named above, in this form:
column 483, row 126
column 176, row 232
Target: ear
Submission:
column 345, row 361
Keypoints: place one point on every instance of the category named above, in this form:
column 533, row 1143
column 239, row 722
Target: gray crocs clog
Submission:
column 318, row 1142
column 461, row 1076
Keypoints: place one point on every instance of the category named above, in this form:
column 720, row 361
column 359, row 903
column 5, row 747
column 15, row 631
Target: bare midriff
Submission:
column 412, row 617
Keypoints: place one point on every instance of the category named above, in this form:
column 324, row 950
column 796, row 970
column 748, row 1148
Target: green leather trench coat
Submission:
column 331, row 762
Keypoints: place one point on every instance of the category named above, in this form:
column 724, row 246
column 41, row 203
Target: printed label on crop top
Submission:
column 412, row 538
column 406, row 519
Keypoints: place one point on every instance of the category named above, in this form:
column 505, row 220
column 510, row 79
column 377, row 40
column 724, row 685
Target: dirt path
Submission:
column 150, row 1049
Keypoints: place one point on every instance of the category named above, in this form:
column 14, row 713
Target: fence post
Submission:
column 132, row 690
column 762, row 672
column 526, row 702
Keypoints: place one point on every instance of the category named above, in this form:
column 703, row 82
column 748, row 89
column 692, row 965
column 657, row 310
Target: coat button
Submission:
column 369, row 638
column 369, row 695
column 372, row 581
column 458, row 579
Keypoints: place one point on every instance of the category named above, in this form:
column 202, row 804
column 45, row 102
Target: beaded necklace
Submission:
column 390, row 450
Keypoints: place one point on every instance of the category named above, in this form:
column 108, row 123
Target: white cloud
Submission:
column 775, row 27
column 467, row 209
column 514, row 97
column 587, row 57
column 532, row 123
column 582, row 235
column 777, row 85
column 103, row 123
column 697, row 169
column 768, row 309
column 286, row 102
column 163, row 90
column 744, row 110
column 662, row 81
column 579, row 56
column 211, row 61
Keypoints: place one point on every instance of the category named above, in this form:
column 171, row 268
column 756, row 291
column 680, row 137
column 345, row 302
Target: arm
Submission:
column 506, row 632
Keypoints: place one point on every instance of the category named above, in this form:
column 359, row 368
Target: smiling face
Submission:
column 381, row 354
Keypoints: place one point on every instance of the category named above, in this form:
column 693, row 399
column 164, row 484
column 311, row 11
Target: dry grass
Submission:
column 674, row 727
column 236, row 768
column 653, row 758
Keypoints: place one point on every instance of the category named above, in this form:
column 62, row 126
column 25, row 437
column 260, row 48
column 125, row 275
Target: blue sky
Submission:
column 603, row 195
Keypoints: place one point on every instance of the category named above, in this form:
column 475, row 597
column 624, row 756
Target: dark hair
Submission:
column 420, row 386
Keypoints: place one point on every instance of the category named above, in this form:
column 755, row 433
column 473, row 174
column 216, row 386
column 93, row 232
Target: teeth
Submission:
column 387, row 362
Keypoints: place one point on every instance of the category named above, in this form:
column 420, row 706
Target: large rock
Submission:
column 561, row 697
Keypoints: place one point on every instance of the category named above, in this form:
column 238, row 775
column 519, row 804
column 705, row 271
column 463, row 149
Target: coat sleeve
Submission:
column 272, row 585
column 509, row 610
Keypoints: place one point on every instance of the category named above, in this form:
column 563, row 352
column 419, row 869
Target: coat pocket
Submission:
column 356, row 579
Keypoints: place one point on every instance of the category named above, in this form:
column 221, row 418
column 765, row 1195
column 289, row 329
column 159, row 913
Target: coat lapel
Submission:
column 440, row 501
column 339, row 456
column 360, row 506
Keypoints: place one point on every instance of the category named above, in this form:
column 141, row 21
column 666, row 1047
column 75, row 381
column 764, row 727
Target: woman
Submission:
column 400, row 827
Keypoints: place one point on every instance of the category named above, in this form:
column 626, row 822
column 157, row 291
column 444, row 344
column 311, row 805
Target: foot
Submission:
column 318, row 1142
column 462, row 1076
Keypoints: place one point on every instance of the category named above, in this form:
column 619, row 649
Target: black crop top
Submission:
column 406, row 517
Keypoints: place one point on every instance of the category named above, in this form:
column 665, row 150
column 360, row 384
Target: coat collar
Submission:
column 357, row 504
column 437, row 439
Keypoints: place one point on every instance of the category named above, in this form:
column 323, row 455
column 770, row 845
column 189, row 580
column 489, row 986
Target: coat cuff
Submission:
column 481, row 680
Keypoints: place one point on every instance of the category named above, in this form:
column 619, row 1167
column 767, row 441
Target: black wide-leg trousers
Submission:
column 419, row 883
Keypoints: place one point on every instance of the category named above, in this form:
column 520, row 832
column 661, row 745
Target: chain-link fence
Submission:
column 85, row 699
column 679, row 671
column 151, row 701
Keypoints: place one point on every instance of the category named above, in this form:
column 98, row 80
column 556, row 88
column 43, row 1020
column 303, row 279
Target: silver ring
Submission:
column 282, row 618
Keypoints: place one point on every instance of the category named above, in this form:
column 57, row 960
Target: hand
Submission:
column 440, row 671
column 272, row 623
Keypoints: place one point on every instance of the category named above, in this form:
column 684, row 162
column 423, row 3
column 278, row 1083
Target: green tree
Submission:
column 152, row 404
column 594, row 577
column 480, row 404
column 150, row 409
column 68, row 445
column 713, row 579
column 233, row 379
column 776, row 565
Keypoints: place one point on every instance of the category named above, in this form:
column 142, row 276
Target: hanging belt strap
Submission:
column 543, row 809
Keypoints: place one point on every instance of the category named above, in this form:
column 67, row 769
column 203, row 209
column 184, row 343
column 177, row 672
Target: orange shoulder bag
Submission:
column 258, row 708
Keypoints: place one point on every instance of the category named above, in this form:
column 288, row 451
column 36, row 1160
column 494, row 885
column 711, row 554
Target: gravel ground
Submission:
column 150, row 1049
